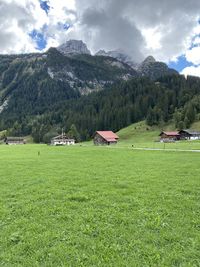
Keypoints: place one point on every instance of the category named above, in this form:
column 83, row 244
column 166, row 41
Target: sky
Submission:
column 169, row 30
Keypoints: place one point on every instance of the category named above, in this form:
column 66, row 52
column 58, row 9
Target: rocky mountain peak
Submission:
column 101, row 53
column 120, row 55
column 154, row 69
column 149, row 59
column 74, row 47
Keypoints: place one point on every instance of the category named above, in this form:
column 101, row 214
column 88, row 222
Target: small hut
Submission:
column 62, row 140
column 105, row 138
column 14, row 141
column 189, row 134
column 169, row 136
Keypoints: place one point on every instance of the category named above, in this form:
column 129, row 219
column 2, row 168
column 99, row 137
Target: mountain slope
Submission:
column 33, row 83
column 119, row 55
column 140, row 132
column 149, row 67
column 122, row 104
column 154, row 69
column 43, row 93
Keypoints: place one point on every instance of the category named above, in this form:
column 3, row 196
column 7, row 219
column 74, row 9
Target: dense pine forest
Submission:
column 121, row 104
column 124, row 103
column 41, row 94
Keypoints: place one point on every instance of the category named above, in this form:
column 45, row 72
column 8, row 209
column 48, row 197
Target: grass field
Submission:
column 139, row 135
column 96, row 206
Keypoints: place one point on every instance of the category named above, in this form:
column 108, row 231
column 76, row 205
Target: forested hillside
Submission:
column 125, row 102
column 41, row 94
column 172, row 97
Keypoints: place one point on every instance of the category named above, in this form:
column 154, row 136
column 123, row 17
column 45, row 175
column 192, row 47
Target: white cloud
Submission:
column 164, row 28
column 152, row 38
column 60, row 12
column 19, row 18
column 196, row 40
column 193, row 70
column 193, row 55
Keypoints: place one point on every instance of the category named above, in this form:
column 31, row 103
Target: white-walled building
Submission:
column 62, row 140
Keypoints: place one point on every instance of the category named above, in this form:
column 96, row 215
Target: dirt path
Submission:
column 167, row 149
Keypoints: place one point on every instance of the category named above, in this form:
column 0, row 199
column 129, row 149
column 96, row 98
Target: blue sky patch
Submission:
column 63, row 26
column 45, row 5
column 39, row 38
column 180, row 64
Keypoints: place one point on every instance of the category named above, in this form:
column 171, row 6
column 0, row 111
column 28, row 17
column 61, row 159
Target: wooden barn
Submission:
column 14, row 141
column 189, row 135
column 105, row 138
column 169, row 136
column 62, row 140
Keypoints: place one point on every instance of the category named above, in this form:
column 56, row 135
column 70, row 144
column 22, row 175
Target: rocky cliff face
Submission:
column 56, row 75
column 119, row 55
column 74, row 47
column 154, row 69
column 67, row 72
column 149, row 67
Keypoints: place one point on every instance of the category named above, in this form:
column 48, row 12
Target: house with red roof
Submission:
column 105, row 138
column 169, row 136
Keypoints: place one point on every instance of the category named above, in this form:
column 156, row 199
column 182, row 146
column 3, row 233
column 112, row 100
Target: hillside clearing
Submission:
column 140, row 135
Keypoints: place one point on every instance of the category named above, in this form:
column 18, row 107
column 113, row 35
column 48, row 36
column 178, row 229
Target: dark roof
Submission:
column 190, row 132
column 108, row 135
column 175, row 133
column 62, row 137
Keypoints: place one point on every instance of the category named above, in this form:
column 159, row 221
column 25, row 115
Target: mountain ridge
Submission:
column 44, row 92
column 148, row 67
column 74, row 47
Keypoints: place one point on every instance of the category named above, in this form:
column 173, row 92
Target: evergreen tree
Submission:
column 150, row 117
column 73, row 133
column 177, row 118
column 180, row 125
column 190, row 113
column 187, row 122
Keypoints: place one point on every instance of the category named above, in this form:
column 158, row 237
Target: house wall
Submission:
column 15, row 142
column 112, row 143
column 98, row 140
column 62, row 142
column 184, row 135
column 187, row 136
column 197, row 137
column 165, row 137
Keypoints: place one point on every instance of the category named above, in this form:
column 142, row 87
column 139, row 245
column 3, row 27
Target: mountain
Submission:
column 154, row 69
column 119, row 55
column 42, row 110
column 81, row 73
column 148, row 68
column 42, row 93
column 32, row 83
column 74, row 47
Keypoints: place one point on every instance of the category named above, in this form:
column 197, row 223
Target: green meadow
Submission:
column 140, row 135
column 98, row 206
